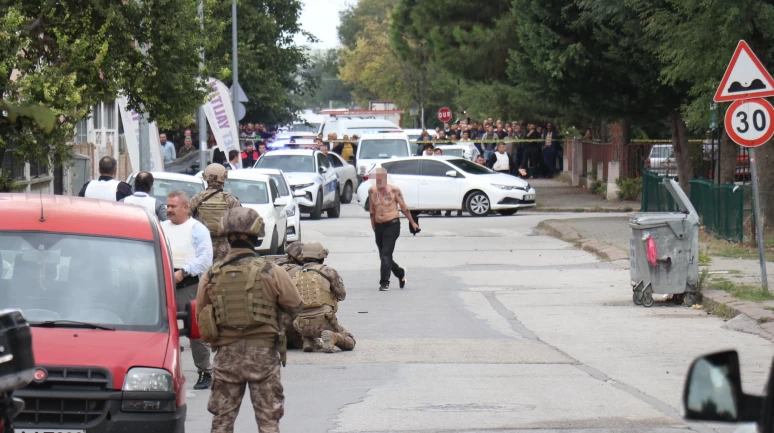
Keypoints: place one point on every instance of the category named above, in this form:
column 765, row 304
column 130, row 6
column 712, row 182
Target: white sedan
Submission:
column 292, row 211
column 164, row 183
column 259, row 191
column 450, row 183
column 347, row 176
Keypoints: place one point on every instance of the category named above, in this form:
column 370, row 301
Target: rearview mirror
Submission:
column 190, row 327
column 323, row 169
column 451, row 173
column 299, row 194
column 713, row 391
column 41, row 257
column 280, row 202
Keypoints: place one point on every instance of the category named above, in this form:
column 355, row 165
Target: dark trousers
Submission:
column 386, row 235
column 532, row 156
column 185, row 292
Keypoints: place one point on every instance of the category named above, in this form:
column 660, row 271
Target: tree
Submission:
column 69, row 55
column 273, row 71
column 354, row 18
column 697, row 39
column 325, row 69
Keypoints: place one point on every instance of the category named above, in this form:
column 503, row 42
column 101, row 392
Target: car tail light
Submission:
column 647, row 163
column 365, row 177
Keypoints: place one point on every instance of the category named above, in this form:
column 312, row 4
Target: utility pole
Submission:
column 202, row 115
column 145, row 150
column 235, row 64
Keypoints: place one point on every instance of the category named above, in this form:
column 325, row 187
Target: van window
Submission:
column 381, row 149
column 248, row 191
column 100, row 280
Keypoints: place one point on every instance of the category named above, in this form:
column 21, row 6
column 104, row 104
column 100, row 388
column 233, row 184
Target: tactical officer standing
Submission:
column 210, row 205
column 237, row 306
column 322, row 289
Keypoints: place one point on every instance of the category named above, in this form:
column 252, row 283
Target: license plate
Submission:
column 18, row 430
column 529, row 197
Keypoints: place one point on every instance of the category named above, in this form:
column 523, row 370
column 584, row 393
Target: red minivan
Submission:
column 94, row 279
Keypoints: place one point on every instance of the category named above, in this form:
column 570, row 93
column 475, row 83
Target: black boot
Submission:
column 204, row 382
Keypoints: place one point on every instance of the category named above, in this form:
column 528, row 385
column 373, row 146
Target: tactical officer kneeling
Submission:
column 322, row 289
column 237, row 305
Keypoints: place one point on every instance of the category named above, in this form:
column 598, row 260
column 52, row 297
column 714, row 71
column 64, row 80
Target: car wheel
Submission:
column 478, row 204
column 317, row 211
column 508, row 212
column 274, row 243
column 335, row 211
column 346, row 197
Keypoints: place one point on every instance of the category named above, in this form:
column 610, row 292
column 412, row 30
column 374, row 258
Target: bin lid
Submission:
column 681, row 200
column 654, row 219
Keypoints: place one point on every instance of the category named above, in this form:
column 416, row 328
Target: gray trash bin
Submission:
column 676, row 236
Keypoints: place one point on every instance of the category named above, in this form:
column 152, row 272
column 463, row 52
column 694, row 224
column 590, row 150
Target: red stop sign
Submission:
column 444, row 114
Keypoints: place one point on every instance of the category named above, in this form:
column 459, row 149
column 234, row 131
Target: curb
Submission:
column 595, row 209
column 567, row 233
column 715, row 302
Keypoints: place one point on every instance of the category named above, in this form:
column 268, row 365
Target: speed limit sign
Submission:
column 749, row 122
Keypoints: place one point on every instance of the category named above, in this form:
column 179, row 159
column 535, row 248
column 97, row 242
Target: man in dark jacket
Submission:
column 532, row 153
column 249, row 156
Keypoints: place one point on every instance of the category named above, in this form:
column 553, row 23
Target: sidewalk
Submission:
column 608, row 238
column 555, row 195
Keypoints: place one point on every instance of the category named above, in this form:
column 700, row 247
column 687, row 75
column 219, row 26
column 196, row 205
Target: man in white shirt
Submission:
column 500, row 161
column 167, row 149
column 106, row 187
column 191, row 257
column 143, row 184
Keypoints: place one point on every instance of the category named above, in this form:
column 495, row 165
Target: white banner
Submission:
column 220, row 115
column 131, row 122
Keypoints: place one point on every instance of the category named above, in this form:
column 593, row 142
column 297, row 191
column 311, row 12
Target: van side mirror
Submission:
column 190, row 327
column 280, row 202
column 451, row 173
column 713, row 391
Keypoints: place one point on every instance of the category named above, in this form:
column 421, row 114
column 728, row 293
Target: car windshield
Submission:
column 99, row 280
column 381, row 149
column 469, row 166
column 248, row 191
column 162, row 187
column 454, row 152
column 287, row 163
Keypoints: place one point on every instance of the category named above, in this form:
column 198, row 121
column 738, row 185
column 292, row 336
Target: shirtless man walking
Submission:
column 385, row 221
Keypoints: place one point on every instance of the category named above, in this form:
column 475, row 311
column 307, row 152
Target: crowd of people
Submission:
column 528, row 149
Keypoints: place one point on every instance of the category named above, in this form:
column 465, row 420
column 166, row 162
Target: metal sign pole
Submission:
column 202, row 115
column 757, row 213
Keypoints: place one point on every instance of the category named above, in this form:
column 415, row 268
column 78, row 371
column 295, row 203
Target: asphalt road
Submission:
column 499, row 329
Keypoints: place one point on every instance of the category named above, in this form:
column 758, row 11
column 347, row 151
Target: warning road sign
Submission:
column 749, row 123
column 745, row 77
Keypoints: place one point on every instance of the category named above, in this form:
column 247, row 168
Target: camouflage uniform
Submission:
column 291, row 264
column 247, row 355
column 320, row 322
column 215, row 179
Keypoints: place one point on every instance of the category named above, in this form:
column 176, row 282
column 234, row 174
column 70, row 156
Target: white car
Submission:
column 258, row 191
column 164, row 183
column 292, row 211
column 342, row 127
column 374, row 149
column 310, row 172
column 465, row 150
column 347, row 176
column 448, row 183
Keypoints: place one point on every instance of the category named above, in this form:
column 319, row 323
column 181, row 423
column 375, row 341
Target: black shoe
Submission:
column 204, row 382
column 384, row 288
column 403, row 280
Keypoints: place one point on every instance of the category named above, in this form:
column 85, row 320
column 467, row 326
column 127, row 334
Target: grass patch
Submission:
column 596, row 209
column 731, row 250
column 769, row 308
column 720, row 310
column 704, row 259
column 744, row 292
column 628, row 209
column 579, row 209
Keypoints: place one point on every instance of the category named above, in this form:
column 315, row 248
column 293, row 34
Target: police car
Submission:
column 310, row 172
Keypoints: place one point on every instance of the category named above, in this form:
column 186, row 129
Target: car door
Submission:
column 436, row 189
column 279, row 211
column 405, row 175
column 338, row 166
column 329, row 177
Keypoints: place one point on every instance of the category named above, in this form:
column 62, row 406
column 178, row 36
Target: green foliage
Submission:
column 69, row 55
column 598, row 187
column 744, row 292
column 324, row 68
column 273, row 71
column 629, row 189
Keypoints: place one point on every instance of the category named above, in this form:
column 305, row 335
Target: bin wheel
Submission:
column 690, row 299
column 637, row 297
column 647, row 297
column 678, row 299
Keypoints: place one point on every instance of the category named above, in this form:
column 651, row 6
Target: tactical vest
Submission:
column 211, row 210
column 240, row 300
column 315, row 288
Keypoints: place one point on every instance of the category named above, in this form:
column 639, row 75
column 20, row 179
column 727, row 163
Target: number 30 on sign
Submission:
column 749, row 122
